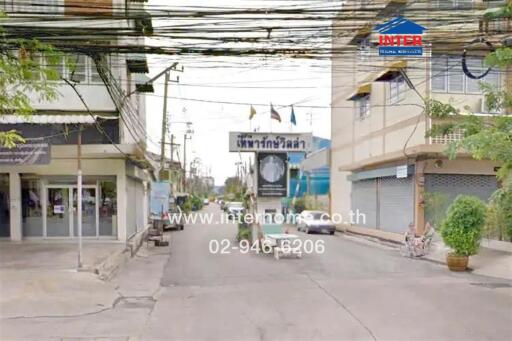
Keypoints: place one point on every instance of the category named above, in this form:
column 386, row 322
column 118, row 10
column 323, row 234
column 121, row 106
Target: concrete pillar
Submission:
column 15, row 206
column 121, row 203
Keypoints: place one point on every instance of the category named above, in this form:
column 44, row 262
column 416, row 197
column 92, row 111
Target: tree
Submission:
column 27, row 66
column 484, row 137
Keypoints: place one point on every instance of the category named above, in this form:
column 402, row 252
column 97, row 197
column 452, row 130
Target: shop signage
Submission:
column 269, row 142
column 33, row 152
column 272, row 175
column 402, row 171
column 400, row 37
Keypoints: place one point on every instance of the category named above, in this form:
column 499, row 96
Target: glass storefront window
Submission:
column 108, row 208
column 31, row 208
column 5, row 226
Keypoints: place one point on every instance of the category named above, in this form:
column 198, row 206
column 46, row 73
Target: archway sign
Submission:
column 270, row 181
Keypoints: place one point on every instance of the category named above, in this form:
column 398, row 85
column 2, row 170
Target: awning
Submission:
column 361, row 34
column 137, row 63
column 52, row 119
column 391, row 70
column 361, row 91
column 142, row 85
column 143, row 23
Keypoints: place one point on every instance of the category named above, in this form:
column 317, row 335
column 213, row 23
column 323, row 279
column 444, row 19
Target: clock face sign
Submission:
column 272, row 175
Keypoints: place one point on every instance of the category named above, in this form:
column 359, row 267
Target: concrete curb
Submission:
column 109, row 267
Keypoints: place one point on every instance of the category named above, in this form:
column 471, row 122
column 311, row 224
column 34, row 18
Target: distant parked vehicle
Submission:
column 176, row 219
column 234, row 209
column 206, row 202
column 315, row 221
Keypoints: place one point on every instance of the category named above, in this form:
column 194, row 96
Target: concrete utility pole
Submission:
column 185, row 138
column 164, row 123
column 172, row 148
column 79, row 196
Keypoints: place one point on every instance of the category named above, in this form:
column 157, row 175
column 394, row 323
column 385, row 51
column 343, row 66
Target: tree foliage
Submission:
column 22, row 75
column 484, row 136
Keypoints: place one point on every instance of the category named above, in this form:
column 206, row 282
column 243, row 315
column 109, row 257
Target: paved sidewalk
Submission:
column 41, row 278
column 487, row 262
column 45, row 302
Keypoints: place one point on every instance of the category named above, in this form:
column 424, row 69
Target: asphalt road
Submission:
column 353, row 291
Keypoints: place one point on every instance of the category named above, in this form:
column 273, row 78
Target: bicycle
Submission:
column 417, row 246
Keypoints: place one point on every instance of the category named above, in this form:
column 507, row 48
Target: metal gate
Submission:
column 396, row 203
column 451, row 185
column 364, row 200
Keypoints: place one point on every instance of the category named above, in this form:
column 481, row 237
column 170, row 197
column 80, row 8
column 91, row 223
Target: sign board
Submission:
column 270, row 142
column 33, row 152
column 402, row 172
column 160, row 197
column 400, row 37
column 272, row 175
column 58, row 209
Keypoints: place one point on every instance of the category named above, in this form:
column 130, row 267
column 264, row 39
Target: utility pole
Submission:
column 164, row 123
column 185, row 138
column 79, row 196
column 172, row 148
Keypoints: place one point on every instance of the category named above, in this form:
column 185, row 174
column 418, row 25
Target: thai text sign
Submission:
column 269, row 142
column 33, row 152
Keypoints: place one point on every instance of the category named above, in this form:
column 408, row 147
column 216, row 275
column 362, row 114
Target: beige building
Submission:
column 382, row 163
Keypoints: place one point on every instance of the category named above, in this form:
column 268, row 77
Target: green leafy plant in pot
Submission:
column 462, row 229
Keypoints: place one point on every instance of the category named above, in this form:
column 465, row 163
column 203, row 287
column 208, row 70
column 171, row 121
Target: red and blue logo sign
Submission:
column 400, row 37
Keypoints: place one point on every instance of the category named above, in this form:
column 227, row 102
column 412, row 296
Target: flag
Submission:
column 274, row 114
column 253, row 113
column 292, row 118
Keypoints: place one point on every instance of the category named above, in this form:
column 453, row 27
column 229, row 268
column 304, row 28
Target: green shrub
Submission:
column 498, row 224
column 244, row 234
column 187, row 206
column 300, row 205
column 462, row 228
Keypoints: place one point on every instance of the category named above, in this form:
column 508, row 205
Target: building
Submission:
column 382, row 163
column 310, row 174
column 38, row 197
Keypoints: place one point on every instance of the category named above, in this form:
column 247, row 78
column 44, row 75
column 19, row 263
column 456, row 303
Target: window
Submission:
column 448, row 76
column 363, row 107
column 449, row 4
column 397, row 88
column 36, row 6
column 364, row 48
column 455, row 76
column 82, row 69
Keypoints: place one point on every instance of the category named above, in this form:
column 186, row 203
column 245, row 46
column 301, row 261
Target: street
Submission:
column 356, row 291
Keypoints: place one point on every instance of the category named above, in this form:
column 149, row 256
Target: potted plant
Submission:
column 461, row 230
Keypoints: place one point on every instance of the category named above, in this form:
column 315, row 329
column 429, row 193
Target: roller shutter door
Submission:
column 396, row 203
column 451, row 185
column 364, row 199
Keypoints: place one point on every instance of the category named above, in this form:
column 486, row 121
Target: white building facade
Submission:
column 39, row 199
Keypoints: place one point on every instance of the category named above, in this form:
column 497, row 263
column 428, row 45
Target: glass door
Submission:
column 58, row 214
column 88, row 212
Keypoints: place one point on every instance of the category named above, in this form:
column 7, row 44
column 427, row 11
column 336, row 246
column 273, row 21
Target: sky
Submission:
column 210, row 81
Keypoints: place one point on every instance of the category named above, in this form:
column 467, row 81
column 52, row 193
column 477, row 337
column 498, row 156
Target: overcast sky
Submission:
column 240, row 80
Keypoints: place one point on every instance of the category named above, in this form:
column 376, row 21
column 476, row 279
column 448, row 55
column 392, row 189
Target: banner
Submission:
column 272, row 174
